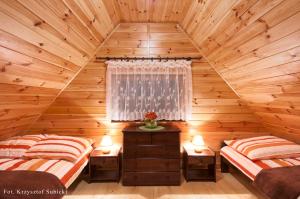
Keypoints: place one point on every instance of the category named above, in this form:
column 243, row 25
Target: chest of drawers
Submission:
column 151, row 158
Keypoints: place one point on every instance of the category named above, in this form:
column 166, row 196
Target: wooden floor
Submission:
column 228, row 186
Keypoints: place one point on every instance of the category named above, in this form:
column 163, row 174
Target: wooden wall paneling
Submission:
column 279, row 31
column 113, row 10
column 280, row 45
column 198, row 10
column 91, row 19
column 12, row 42
column 85, row 20
column 213, row 18
column 43, row 45
column 263, row 30
column 148, row 40
column 79, row 110
column 27, row 84
column 255, row 48
column 248, row 25
column 253, row 45
column 77, row 73
column 19, row 21
column 101, row 16
column 55, row 14
column 289, row 56
column 147, row 10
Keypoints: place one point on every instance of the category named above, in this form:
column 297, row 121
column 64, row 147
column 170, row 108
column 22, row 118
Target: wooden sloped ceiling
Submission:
column 148, row 10
column 43, row 44
column 255, row 46
column 218, row 113
column 252, row 44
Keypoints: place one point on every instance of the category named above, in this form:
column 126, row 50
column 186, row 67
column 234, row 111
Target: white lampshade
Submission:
column 106, row 141
column 198, row 140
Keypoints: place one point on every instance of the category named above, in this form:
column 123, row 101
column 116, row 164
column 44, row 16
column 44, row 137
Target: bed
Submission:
column 252, row 168
column 38, row 163
column 64, row 170
column 272, row 176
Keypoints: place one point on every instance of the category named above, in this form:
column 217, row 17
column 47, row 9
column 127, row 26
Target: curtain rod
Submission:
column 148, row 58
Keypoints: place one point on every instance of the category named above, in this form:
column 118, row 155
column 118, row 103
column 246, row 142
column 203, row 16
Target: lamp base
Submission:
column 105, row 151
column 198, row 150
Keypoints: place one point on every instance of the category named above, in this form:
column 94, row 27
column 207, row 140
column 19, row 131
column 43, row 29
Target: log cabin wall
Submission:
column 218, row 113
column 43, row 44
column 252, row 44
column 255, row 46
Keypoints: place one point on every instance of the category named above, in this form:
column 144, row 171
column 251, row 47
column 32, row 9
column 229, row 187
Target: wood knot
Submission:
column 43, row 83
column 17, row 80
column 293, row 56
column 38, row 23
column 3, row 69
column 279, row 118
column 26, row 64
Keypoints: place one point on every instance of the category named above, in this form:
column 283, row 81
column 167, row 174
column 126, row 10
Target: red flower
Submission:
column 150, row 116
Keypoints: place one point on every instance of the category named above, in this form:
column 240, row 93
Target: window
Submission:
column 134, row 88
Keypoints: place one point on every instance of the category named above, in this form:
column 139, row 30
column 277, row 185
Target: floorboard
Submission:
column 228, row 186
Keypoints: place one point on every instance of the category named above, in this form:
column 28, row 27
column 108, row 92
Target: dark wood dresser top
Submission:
column 167, row 129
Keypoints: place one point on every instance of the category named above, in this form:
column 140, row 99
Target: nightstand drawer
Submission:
column 99, row 175
column 200, row 162
column 104, row 163
column 201, row 174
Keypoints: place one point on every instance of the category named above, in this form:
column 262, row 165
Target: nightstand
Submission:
column 199, row 166
column 105, row 167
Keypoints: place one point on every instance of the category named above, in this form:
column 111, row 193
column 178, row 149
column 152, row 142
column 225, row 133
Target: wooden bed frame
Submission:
column 226, row 165
column 225, row 168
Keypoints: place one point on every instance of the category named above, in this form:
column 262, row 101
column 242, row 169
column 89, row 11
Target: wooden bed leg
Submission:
column 224, row 165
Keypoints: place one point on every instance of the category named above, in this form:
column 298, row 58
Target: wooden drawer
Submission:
column 151, row 151
column 136, row 138
column 149, row 164
column 104, row 163
column 201, row 174
column 165, row 138
column 151, row 178
column 200, row 162
column 99, row 175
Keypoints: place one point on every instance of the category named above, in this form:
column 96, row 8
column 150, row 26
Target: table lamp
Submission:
column 198, row 143
column 106, row 143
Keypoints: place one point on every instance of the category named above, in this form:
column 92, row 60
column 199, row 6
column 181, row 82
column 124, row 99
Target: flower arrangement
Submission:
column 150, row 120
column 150, row 116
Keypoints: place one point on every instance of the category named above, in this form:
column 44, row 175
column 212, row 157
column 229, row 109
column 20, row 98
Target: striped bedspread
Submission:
column 252, row 168
column 66, row 171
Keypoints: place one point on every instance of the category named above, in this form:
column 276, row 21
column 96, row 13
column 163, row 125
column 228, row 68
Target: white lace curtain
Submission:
column 136, row 87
